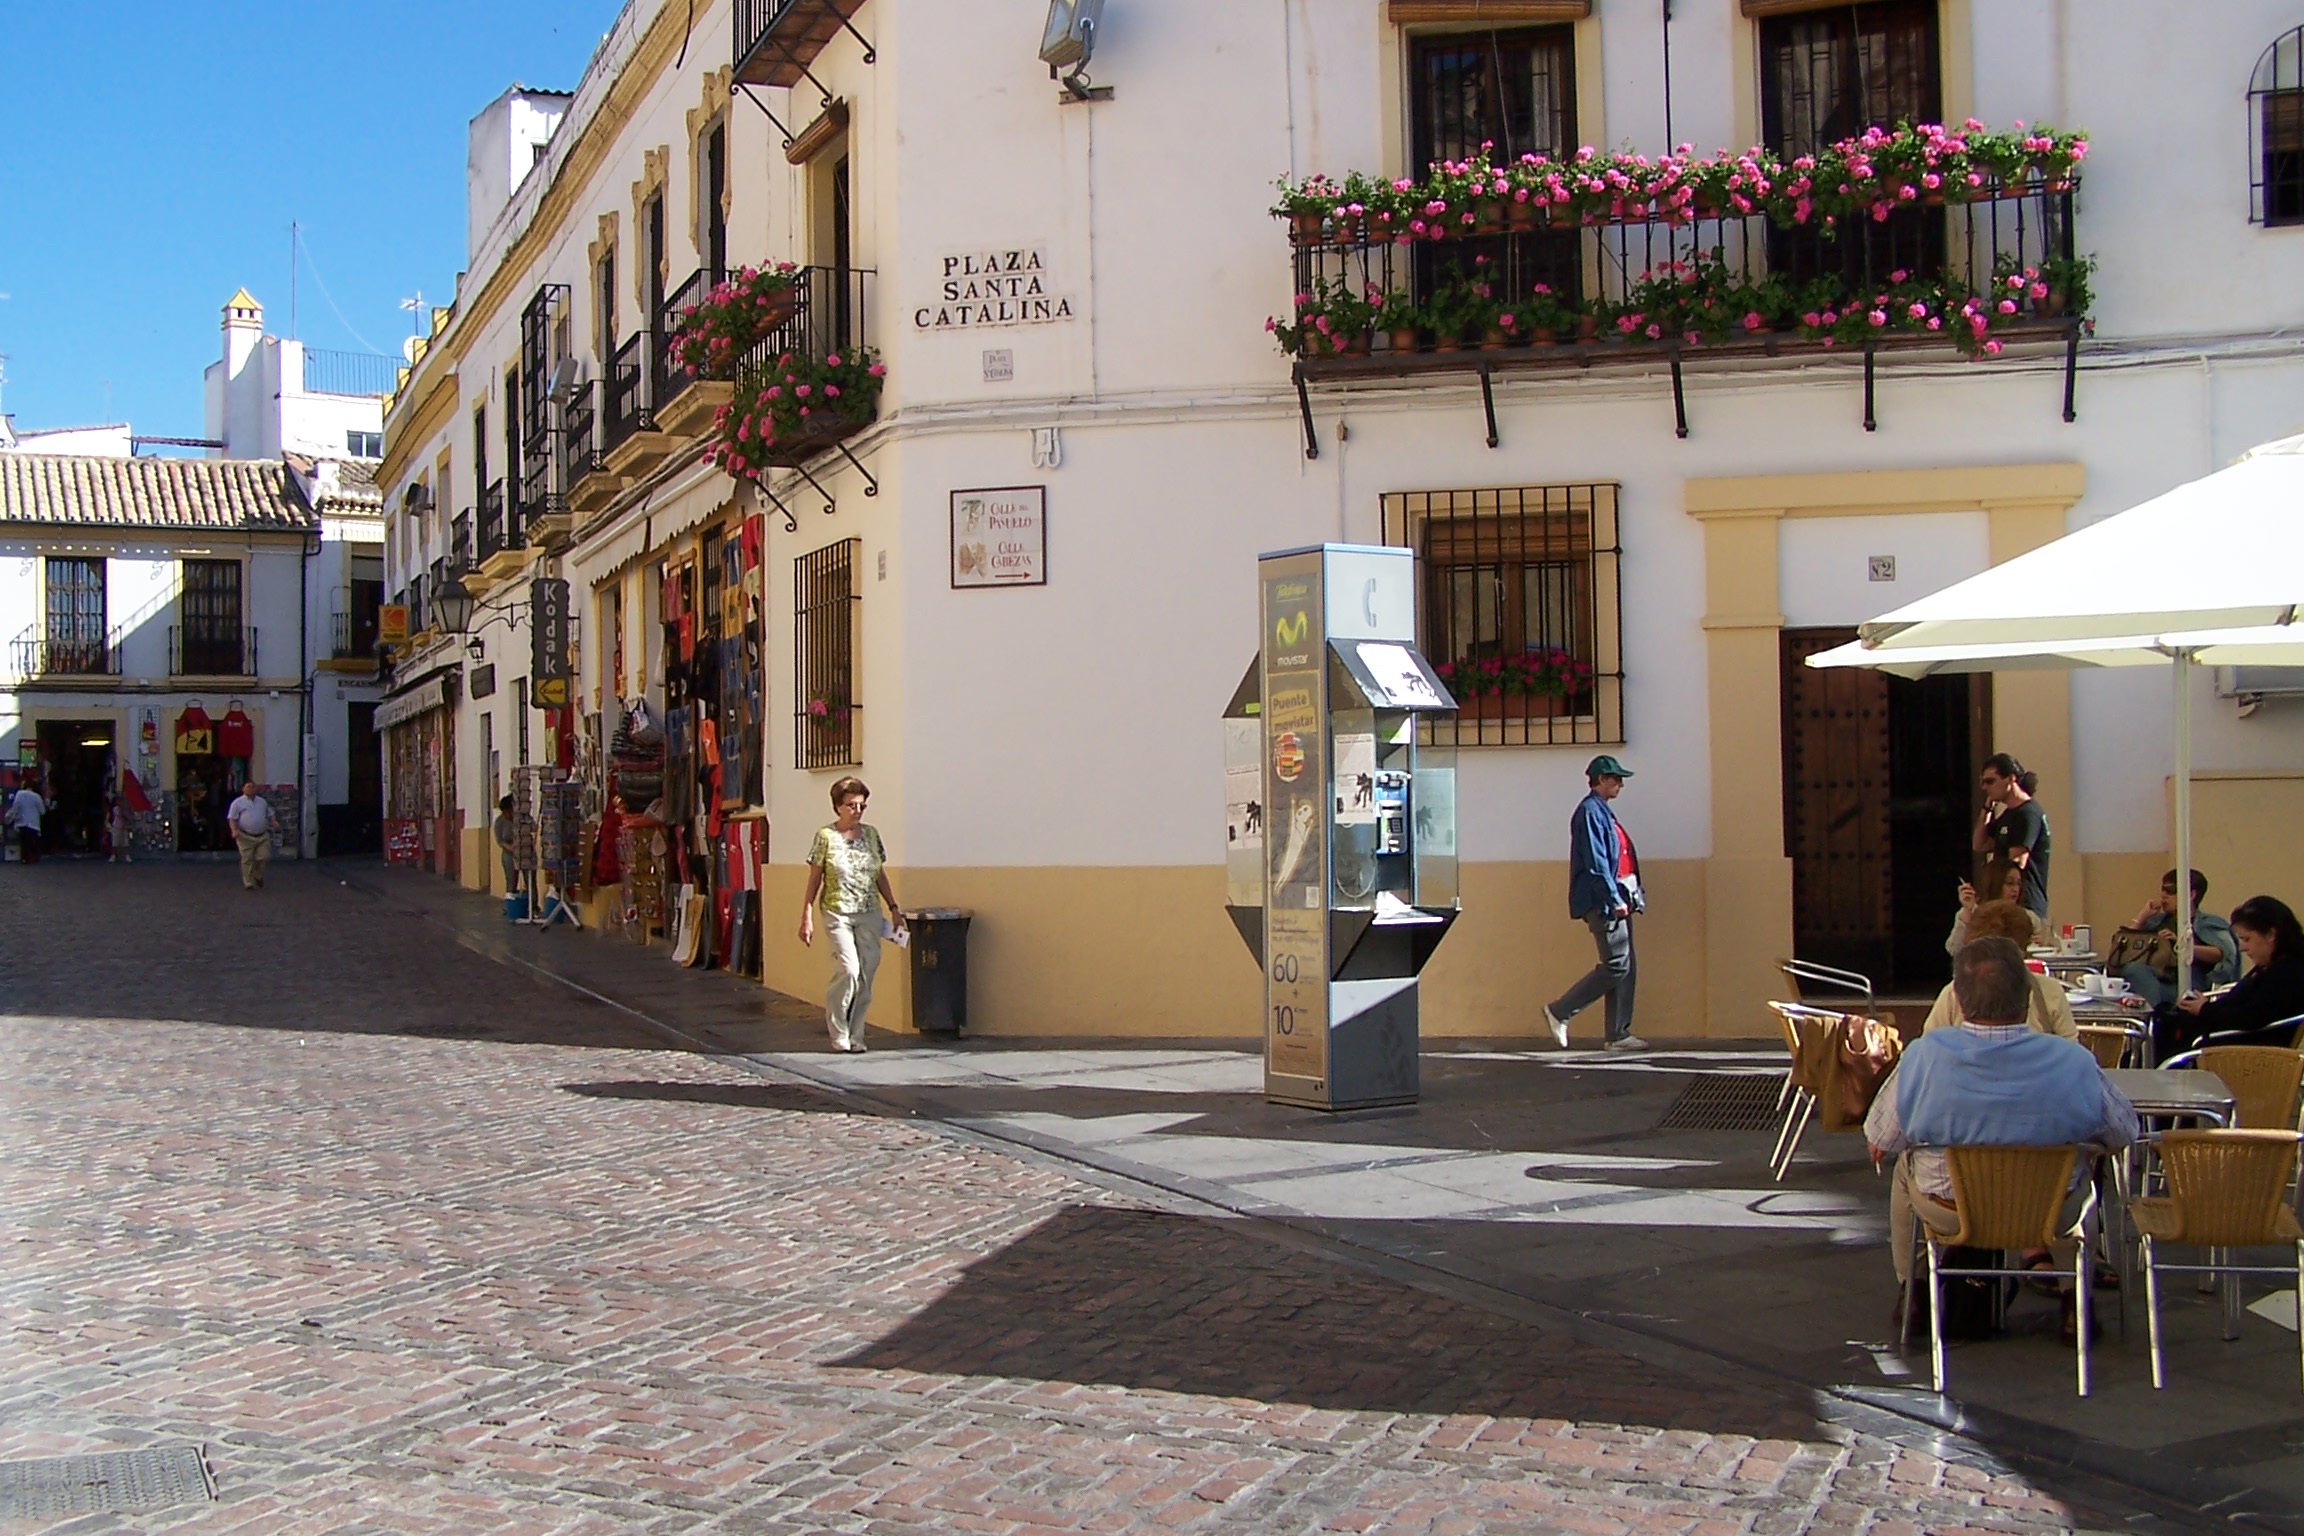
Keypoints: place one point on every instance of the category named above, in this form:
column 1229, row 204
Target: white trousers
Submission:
column 855, row 957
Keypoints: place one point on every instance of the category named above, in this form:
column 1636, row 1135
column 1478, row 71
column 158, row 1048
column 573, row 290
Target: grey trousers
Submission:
column 1613, row 977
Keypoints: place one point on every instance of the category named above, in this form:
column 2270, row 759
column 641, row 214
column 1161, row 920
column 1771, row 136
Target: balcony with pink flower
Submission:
column 1912, row 239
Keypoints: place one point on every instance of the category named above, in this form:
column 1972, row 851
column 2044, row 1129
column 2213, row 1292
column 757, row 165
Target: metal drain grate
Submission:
column 118, row 1482
column 1726, row 1101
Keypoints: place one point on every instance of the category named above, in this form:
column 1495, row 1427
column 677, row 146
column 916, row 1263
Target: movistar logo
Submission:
column 1292, row 631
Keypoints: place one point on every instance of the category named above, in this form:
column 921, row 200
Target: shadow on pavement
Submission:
column 1145, row 1299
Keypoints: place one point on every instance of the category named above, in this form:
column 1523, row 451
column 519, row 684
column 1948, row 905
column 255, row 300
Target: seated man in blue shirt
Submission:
column 1993, row 1081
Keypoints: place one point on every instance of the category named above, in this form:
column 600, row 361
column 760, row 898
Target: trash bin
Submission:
column 939, row 969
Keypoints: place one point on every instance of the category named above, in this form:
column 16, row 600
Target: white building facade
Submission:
column 1069, row 296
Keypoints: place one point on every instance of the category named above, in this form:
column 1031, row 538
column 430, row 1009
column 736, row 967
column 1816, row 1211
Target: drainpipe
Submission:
column 306, row 833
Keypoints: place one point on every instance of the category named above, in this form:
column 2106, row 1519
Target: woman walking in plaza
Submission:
column 846, row 872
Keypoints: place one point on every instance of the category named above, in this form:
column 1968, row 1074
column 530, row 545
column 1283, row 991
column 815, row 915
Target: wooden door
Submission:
column 1837, row 830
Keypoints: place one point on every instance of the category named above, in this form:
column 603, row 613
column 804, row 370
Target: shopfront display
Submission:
column 422, row 821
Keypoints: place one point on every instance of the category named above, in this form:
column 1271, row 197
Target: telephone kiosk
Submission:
column 1340, row 862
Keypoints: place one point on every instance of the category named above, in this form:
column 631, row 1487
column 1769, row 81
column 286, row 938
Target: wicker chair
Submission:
column 2226, row 1189
column 2108, row 1043
column 2263, row 1079
column 2007, row 1198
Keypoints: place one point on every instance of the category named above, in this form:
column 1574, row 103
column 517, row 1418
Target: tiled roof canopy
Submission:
column 209, row 495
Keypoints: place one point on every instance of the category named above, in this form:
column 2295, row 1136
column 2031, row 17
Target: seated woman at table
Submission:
column 2272, row 992
column 2051, row 1011
column 2004, row 878
column 2215, row 954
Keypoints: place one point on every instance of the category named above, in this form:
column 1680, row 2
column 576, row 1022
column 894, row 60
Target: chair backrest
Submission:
column 1811, row 1035
column 2108, row 1043
column 1829, row 976
column 2009, row 1197
column 2228, row 1185
column 2263, row 1080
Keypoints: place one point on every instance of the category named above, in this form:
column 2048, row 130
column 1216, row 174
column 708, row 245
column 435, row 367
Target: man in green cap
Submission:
column 1603, row 893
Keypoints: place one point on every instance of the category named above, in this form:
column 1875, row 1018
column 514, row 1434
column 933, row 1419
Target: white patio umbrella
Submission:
column 2225, row 551
column 2271, row 645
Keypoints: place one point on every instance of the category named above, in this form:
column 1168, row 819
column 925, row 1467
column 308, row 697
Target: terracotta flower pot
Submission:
column 1587, row 327
column 1355, row 345
column 1521, row 217
column 2055, row 304
column 1406, row 338
column 1305, row 228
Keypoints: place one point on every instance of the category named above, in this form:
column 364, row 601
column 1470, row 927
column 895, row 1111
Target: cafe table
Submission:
column 2058, row 963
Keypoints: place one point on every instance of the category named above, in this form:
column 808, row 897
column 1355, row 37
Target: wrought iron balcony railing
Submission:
column 632, row 379
column 494, row 530
column 1513, row 294
column 348, row 373
column 352, row 635
column 672, row 380
column 460, row 540
column 582, row 451
column 542, row 491
column 34, row 658
column 203, row 650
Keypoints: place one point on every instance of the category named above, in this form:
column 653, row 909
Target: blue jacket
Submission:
column 1592, row 883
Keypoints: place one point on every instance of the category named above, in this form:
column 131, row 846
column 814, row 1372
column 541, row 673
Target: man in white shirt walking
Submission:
column 25, row 808
column 251, row 822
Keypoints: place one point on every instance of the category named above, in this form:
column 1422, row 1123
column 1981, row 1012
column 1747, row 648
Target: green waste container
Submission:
column 939, row 969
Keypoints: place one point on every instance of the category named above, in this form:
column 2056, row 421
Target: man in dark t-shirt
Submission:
column 2015, row 828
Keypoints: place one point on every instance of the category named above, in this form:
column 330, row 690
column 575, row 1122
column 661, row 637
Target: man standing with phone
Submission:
column 1603, row 893
column 2014, row 827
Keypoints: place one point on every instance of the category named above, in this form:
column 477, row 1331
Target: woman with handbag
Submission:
column 2259, row 1007
column 2144, row 953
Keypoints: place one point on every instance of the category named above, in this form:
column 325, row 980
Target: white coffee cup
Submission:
column 2096, row 984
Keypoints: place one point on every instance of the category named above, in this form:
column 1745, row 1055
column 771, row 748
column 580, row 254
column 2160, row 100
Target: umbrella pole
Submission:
column 2183, row 797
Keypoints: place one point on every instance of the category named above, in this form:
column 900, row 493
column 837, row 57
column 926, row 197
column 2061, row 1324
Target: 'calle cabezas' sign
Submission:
column 979, row 288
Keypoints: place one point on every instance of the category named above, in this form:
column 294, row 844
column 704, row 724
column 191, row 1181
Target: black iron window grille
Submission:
column 826, row 608
column 1828, row 75
column 1521, row 594
column 495, row 531
column 537, row 323
column 212, row 641
column 76, row 620
column 2276, row 125
column 580, row 443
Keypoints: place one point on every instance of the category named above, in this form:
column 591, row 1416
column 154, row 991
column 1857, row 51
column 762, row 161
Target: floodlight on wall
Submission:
column 1068, row 42
column 567, row 379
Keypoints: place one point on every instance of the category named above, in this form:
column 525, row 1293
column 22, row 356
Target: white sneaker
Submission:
column 1628, row 1043
column 1557, row 1025
column 841, row 1046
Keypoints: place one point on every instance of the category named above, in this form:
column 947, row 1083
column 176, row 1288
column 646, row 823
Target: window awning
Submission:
column 1414, row 12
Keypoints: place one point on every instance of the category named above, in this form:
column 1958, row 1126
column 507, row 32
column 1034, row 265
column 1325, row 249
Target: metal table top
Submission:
column 2183, row 1093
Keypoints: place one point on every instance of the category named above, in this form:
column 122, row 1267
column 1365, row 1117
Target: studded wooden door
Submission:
column 1836, row 799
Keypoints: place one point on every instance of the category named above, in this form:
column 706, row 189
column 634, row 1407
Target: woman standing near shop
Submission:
column 846, row 870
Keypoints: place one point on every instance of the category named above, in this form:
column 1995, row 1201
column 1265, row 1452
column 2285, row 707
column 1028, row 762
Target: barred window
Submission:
column 1514, row 90
column 825, row 608
column 2276, row 119
column 1522, row 608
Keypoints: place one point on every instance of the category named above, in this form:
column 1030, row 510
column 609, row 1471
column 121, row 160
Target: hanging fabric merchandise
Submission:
column 195, row 732
column 235, row 733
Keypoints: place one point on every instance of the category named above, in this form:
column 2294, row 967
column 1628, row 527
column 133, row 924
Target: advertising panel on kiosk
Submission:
column 1340, row 823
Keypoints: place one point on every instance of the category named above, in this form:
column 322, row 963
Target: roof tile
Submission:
column 209, row 495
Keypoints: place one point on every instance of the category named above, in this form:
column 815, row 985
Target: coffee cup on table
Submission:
column 2096, row 984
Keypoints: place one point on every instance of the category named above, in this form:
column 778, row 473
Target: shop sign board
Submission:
column 392, row 624
column 403, row 841
column 548, row 669
column 1000, row 537
column 482, row 683
column 401, row 708
column 1294, row 659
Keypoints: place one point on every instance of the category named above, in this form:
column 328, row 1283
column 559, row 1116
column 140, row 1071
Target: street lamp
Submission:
column 454, row 607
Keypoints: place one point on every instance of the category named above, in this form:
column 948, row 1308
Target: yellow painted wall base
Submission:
column 1149, row 952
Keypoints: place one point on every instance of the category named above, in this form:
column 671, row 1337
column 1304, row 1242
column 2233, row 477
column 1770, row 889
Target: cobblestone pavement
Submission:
column 413, row 1242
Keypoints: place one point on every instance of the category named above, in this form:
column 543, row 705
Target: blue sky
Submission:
column 156, row 154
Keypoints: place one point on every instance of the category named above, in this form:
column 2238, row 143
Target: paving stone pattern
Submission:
column 413, row 1242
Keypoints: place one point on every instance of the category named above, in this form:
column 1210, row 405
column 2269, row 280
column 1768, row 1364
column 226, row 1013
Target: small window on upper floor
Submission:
column 2276, row 123
column 364, row 445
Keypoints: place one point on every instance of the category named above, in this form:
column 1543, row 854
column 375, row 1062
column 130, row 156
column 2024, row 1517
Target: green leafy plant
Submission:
column 715, row 332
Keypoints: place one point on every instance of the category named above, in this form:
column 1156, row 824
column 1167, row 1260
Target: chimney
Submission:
column 243, row 329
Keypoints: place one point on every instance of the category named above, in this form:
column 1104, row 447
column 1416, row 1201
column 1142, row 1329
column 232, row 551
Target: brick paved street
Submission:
column 413, row 1241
